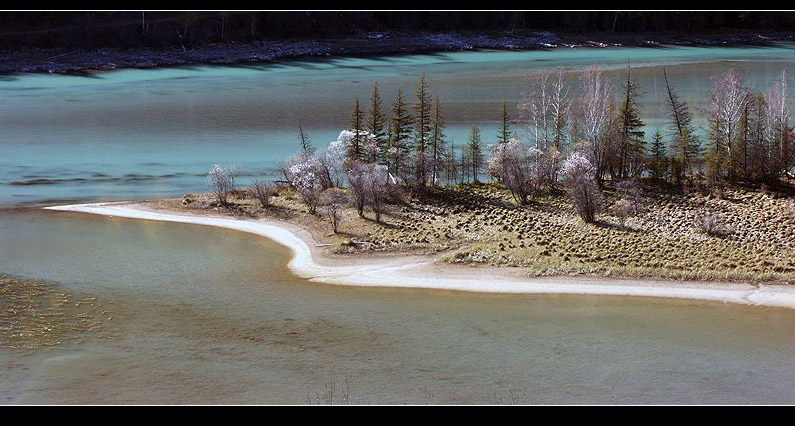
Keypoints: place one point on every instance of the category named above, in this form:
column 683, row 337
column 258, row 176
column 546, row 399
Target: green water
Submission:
column 204, row 315
column 207, row 315
column 155, row 133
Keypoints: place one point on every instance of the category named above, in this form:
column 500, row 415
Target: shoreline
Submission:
column 411, row 271
column 82, row 61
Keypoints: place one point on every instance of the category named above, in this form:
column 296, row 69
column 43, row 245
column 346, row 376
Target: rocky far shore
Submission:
column 77, row 61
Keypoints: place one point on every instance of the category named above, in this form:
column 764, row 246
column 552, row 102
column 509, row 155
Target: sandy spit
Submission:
column 422, row 272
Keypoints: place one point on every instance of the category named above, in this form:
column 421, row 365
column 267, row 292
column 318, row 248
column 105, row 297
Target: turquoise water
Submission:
column 154, row 133
column 206, row 315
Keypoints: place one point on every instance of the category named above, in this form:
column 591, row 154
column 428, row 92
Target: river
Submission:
column 136, row 134
column 201, row 315
column 206, row 315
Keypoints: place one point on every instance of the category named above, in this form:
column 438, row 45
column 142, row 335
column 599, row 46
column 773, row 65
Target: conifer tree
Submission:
column 437, row 145
column 505, row 133
column 400, row 132
column 658, row 161
column 422, row 130
column 632, row 138
column 375, row 125
column 355, row 150
column 475, row 151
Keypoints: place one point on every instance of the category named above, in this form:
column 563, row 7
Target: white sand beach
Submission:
column 422, row 272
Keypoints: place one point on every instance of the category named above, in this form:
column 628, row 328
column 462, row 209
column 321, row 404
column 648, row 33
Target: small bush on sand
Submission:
column 221, row 181
column 711, row 224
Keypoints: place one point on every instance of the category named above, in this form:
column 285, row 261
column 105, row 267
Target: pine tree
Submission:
column 464, row 165
column 475, row 152
column 658, row 161
column 452, row 169
column 505, row 133
column 422, row 130
column 400, row 132
column 632, row 139
column 437, row 142
column 306, row 145
column 355, row 151
column 375, row 125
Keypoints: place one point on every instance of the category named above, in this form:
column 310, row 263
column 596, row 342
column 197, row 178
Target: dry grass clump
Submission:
column 711, row 224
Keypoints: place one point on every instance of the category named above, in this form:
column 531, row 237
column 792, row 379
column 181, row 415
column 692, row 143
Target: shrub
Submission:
column 622, row 209
column 221, row 181
column 262, row 191
column 632, row 191
column 585, row 193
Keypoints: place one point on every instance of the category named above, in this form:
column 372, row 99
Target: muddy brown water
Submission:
column 190, row 314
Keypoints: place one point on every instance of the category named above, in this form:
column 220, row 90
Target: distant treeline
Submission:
column 163, row 29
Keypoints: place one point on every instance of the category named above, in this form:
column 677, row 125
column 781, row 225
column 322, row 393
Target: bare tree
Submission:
column 377, row 189
column 357, row 175
column 333, row 200
column 726, row 104
column 262, row 191
column 595, row 112
column 534, row 108
column 779, row 132
column 221, row 181
column 560, row 105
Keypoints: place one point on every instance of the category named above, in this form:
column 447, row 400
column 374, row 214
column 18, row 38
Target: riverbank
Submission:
column 309, row 262
column 82, row 61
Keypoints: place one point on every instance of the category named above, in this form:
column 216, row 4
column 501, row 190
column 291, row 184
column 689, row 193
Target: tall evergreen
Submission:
column 475, row 151
column 505, row 133
column 632, row 139
column 400, row 133
column 355, row 150
column 658, row 160
column 375, row 125
column 437, row 142
column 422, row 130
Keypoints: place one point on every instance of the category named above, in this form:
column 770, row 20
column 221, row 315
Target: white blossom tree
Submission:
column 585, row 193
column 306, row 183
column 221, row 181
